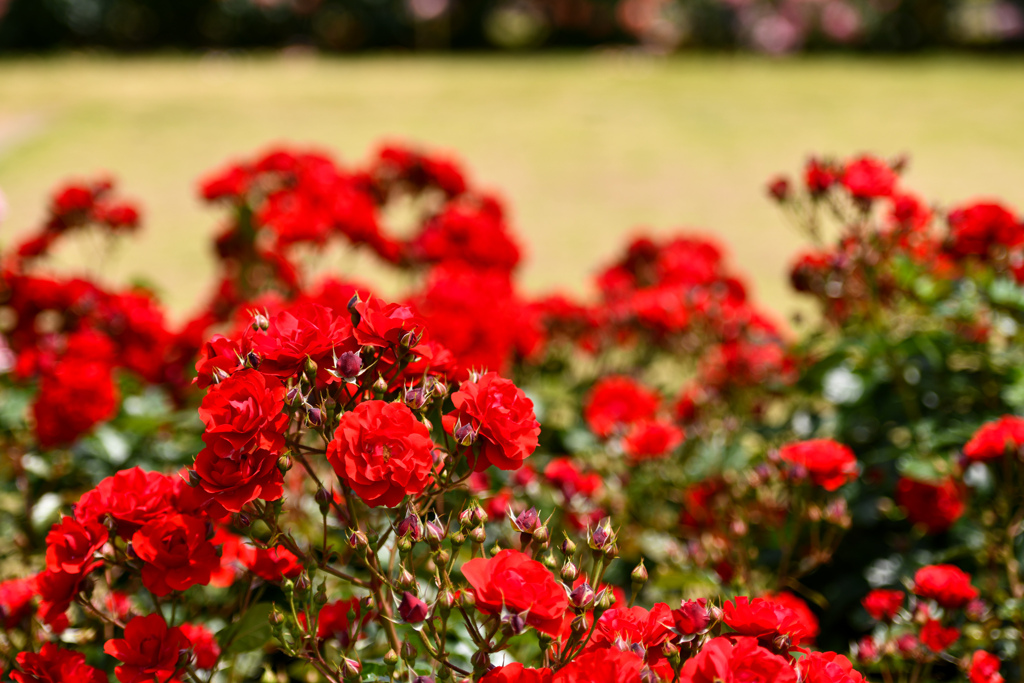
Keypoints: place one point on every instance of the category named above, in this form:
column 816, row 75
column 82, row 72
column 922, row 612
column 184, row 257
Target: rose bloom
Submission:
column 244, row 413
column 945, row 584
column 511, row 581
column 691, row 617
column 869, row 178
column 383, row 452
column 883, row 604
column 976, row 228
column 618, row 401
column 502, row 417
column 762, row 618
column 16, row 596
column 608, row 665
column 935, row 507
column 176, row 554
column 150, row 650
column 828, row 463
column 204, row 645
column 71, row 547
column 270, row 564
column 73, row 398
column 517, row 673
column 827, row 667
column 722, row 660
column 984, row 668
column 993, row 439
column 636, row 626
column 307, row 331
column 54, row 665
column 808, row 628
column 936, row 637
column 131, row 497
column 651, row 439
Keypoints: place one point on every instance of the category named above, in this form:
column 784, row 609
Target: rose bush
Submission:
column 305, row 481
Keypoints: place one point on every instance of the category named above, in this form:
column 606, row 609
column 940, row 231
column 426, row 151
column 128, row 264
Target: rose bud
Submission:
column 568, row 547
column 260, row 323
column 639, row 576
column 252, row 360
column 193, row 478
column 515, row 624
column 284, row 464
column 601, row 535
column 348, row 365
column 410, row 527
column 527, row 521
column 569, row 572
column 416, row 398
column 353, row 311
column 406, row 579
column 409, row 652
column 434, row 534
column 314, row 416
column 358, row 541
column 351, row 669
column 478, row 535
column 412, row 609
column 582, row 595
column 779, row 189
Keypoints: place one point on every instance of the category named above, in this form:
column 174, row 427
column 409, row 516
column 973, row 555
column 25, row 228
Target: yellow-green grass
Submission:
column 585, row 148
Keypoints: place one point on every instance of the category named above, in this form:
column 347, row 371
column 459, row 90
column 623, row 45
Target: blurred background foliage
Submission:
column 769, row 26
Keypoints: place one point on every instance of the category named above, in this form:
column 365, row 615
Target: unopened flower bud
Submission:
column 252, row 360
column 478, row 535
column 391, row 659
column 550, row 561
column 353, row 310
column 409, row 652
column 260, row 323
column 569, row 572
column 467, row 599
column 406, row 579
column 193, row 478
column 242, row 520
column 514, row 624
column 446, row 600
column 358, row 541
column 671, row 652
column 323, row 500
column 314, row 416
column 441, row 557
column 416, row 398
column 579, row 624
column 541, row 534
column 466, row 519
column 284, row 464
column 639, row 576
column 410, row 528
column 310, row 369
column 185, row 657
column 568, row 547
column 412, row 609
column 434, row 533
column 601, row 535
column 351, row 670
column 527, row 521
column 348, row 365
column 465, row 434
column 410, row 339
column 581, row 596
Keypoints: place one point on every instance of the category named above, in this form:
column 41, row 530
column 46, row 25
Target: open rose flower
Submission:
column 512, row 583
column 828, row 464
column 617, row 402
column 651, row 439
column 722, row 659
column 765, row 618
column 827, row 667
column 150, row 650
column 204, row 645
column 984, row 668
column 71, row 547
column 994, row 439
column 54, row 665
column 244, row 413
column 933, row 506
column 517, row 673
column 383, row 452
column 883, row 604
column 176, row 554
column 501, row 417
column 945, row 584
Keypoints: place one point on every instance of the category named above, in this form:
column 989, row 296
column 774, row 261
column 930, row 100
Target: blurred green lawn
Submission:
column 585, row 148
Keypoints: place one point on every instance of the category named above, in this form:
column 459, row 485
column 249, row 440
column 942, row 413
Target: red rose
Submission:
column 517, row 673
column 56, row 591
column 565, row 474
column 306, row 332
column 616, row 402
column 807, row 629
column 651, row 439
column 412, row 609
column 635, row 626
column 501, row 416
column 984, row 668
column 16, row 596
column 74, row 396
column 176, row 554
column 975, row 229
column 131, row 497
column 827, row 667
column 945, row 584
column 334, row 621
column 882, row 604
column 935, row 507
column 720, row 660
column 692, row 616
column 828, row 463
column 204, row 645
column 383, row 452
column 150, row 650
column 512, row 582
column 763, row 618
column 869, row 178
column 818, row 176
column 994, row 439
column 384, row 325
column 54, row 665
column 270, row 564
column 244, row 413
column 938, row 637
column 71, row 547
column 608, row 665
column 233, row 482
column 218, row 359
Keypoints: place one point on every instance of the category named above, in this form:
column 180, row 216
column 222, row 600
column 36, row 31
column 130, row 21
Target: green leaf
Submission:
column 251, row 632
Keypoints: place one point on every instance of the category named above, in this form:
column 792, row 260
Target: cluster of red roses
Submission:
column 923, row 630
column 863, row 269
